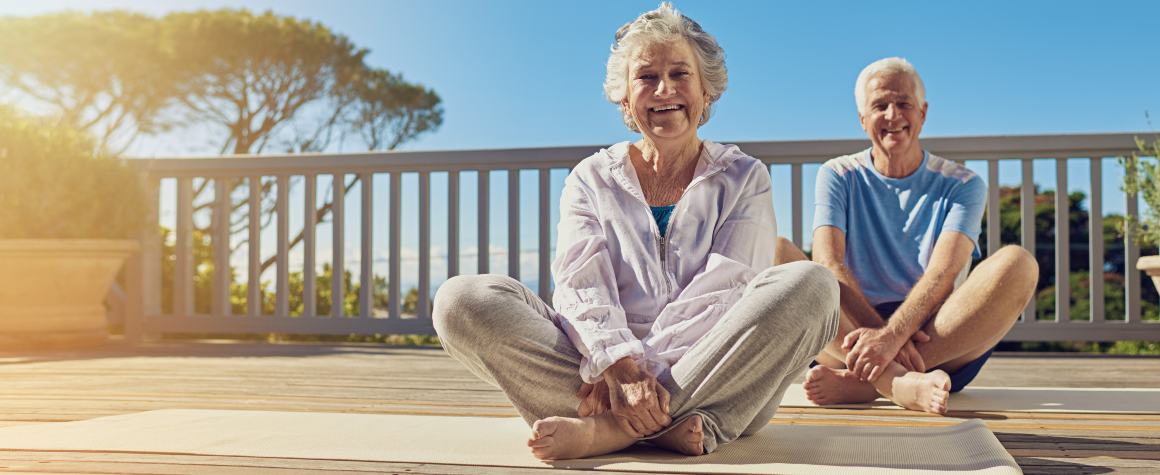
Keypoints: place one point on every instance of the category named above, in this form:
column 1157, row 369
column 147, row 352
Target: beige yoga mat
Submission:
column 979, row 399
column 792, row 449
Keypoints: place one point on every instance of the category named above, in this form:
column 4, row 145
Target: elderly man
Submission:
column 896, row 225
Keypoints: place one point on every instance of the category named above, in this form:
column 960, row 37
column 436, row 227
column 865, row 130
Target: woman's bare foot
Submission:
column 825, row 386
column 927, row 392
column 686, row 438
column 559, row 438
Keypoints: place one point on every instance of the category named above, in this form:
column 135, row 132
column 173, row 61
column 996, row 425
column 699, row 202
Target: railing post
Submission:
column 514, row 223
column 1096, row 242
column 1131, row 255
column 545, row 254
column 1027, row 220
column 338, row 246
column 1062, row 243
column 796, row 205
column 424, row 301
column 366, row 290
column 183, row 267
column 143, row 273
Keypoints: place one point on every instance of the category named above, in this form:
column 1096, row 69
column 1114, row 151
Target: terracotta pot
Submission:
column 1151, row 265
column 52, row 291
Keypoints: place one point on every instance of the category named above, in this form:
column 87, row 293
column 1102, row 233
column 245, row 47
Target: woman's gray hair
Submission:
column 887, row 66
column 661, row 26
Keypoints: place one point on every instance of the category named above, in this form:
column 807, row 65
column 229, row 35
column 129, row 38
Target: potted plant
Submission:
column 1140, row 177
column 68, row 219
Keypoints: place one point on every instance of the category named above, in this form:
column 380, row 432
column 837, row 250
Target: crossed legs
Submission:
column 974, row 318
column 729, row 384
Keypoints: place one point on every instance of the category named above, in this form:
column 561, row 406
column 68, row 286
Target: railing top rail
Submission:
column 790, row 151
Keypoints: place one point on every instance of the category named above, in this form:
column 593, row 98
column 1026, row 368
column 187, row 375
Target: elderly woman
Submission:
column 669, row 325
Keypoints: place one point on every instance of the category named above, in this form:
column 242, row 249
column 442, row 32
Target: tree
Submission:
column 1112, row 275
column 101, row 73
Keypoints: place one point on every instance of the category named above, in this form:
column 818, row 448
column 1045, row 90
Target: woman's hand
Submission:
column 639, row 403
column 593, row 399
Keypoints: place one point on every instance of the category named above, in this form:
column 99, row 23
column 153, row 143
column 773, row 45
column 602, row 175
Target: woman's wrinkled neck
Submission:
column 669, row 156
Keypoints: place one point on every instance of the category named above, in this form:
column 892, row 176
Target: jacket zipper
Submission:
column 662, row 242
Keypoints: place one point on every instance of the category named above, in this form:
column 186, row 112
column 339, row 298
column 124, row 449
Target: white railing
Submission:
column 145, row 316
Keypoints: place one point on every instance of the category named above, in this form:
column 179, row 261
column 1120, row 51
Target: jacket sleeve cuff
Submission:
column 601, row 358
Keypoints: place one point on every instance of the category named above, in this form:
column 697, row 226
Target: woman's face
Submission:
column 665, row 96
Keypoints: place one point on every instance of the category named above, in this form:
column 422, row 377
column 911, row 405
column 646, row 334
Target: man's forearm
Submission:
column 921, row 303
column 853, row 302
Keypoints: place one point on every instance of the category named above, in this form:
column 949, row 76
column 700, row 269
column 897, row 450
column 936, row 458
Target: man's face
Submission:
column 892, row 117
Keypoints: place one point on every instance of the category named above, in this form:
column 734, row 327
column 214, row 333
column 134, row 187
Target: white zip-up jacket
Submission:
column 624, row 291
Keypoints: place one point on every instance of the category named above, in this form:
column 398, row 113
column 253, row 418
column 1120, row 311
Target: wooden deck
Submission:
column 118, row 379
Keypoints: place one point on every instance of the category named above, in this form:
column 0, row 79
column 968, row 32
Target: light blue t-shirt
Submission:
column 892, row 224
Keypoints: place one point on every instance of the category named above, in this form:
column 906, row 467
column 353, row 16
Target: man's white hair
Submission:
column 887, row 66
column 661, row 26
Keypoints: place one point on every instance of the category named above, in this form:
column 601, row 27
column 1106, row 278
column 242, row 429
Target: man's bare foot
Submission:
column 825, row 386
column 686, row 438
column 559, row 438
column 927, row 392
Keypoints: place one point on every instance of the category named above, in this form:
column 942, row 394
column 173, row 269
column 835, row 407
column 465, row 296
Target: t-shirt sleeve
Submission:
column 830, row 199
column 967, row 203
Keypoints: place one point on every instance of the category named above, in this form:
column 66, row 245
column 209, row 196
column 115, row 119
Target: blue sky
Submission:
column 528, row 73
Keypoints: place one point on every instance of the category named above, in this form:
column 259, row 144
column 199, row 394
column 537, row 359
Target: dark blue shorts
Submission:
column 959, row 379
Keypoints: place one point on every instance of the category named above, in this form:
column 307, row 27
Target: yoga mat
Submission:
column 501, row 442
column 977, row 399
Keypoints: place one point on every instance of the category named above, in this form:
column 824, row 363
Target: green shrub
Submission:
column 1142, row 177
column 52, row 186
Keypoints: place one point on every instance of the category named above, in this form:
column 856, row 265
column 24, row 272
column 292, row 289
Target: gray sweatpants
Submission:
column 734, row 377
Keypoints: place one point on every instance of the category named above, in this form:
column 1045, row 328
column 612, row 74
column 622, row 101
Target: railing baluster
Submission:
column 183, row 268
column 1132, row 294
column 545, row 247
column 424, row 245
column 143, row 271
column 795, row 173
column 338, row 246
column 514, row 223
column 282, row 262
column 1062, row 243
column 394, row 301
column 220, row 301
column 1096, row 242
column 1027, row 220
column 366, row 258
column 254, row 269
column 309, row 246
column 452, row 223
column 993, row 237
column 484, row 224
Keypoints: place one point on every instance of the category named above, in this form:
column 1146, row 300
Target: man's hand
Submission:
column 639, row 403
column 870, row 350
column 593, row 399
column 909, row 357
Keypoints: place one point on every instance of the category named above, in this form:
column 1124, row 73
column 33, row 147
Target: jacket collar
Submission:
column 714, row 158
